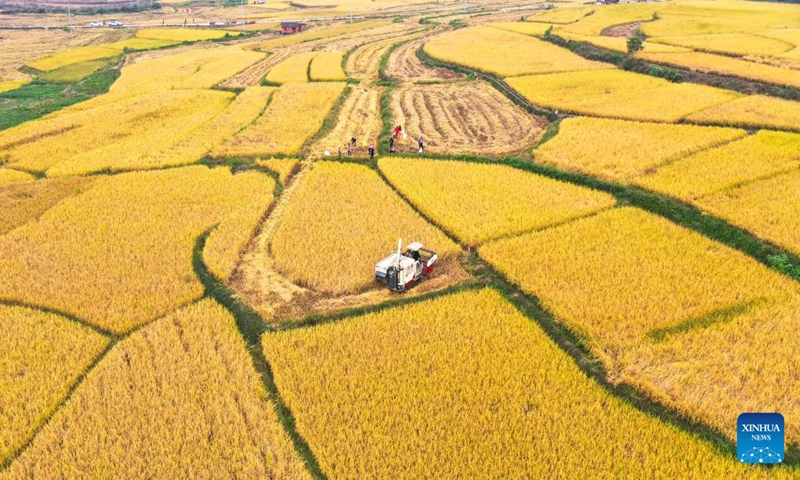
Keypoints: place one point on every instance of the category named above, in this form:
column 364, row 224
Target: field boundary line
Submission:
column 251, row 326
column 66, row 315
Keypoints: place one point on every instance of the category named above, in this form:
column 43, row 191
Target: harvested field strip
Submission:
column 462, row 118
column 352, row 384
column 479, row 202
column 404, row 65
column 363, row 63
column 360, row 118
column 253, row 74
column 183, row 394
column 42, row 357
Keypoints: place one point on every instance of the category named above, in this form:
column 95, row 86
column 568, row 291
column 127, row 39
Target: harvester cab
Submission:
column 402, row 269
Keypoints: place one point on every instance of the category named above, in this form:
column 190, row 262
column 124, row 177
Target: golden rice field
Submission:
column 618, row 276
column 606, row 298
column 43, row 355
column 754, row 111
column 294, row 115
column 762, row 155
column 768, row 208
column 119, row 254
column 480, row 48
column 284, row 167
column 295, row 69
column 417, row 391
column 183, row 34
column 24, row 201
column 74, row 55
column 327, row 67
column 619, row 94
column 707, row 62
column 479, row 202
column 349, row 212
column 636, row 148
column 179, row 397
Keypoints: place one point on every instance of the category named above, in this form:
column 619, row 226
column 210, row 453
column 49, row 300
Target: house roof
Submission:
column 291, row 24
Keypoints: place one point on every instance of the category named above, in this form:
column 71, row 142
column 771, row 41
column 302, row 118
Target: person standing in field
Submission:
column 371, row 152
column 421, row 143
column 391, row 144
column 349, row 149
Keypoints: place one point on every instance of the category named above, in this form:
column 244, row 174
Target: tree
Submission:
column 635, row 44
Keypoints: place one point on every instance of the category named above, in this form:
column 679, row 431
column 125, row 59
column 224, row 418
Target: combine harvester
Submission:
column 399, row 271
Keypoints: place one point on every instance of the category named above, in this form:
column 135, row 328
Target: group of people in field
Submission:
column 397, row 133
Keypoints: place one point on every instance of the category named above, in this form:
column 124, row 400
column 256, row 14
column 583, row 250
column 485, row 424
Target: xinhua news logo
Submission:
column 760, row 438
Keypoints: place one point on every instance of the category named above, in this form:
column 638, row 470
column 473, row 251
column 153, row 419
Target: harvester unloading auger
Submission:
column 399, row 271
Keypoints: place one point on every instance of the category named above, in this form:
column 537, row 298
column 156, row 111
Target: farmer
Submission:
column 371, row 152
column 421, row 143
column 397, row 131
column 340, row 152
column 349, row 149
column 391, row 144
column 353, row 141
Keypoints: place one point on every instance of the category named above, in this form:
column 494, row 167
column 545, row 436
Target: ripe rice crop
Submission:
column 114, row 136
column 42, row 356
column 176, row 399
column 327, row 66
column 186, row 144
column 74, row 55
column 347, row 212
column 295, row 114
column 712, row 374
column 479, row 202
column 618, row 276
column 284, row 167
column 141, row 44
column 462, row 117
column 740, row 43
column 359, row 117
column 75, row 72
column 619, row 44
column 619, row 94
column 364, row 62
column 293, row 70
column 487, row 49
column 22, row 202
column 768, row 208
column 418, row 392
column 526, row 28
column 7, row 177
column 190, row 69
column 584, row 145
column 753, row 111
column 707, row 62
column 183, row 34
column 8, row 86
column 227, row 241
column 120, row 254
column 757, row 156
column 611, row 15
column 561, row 15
